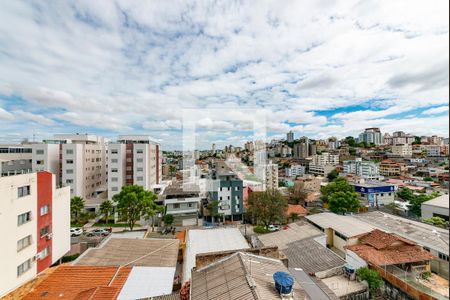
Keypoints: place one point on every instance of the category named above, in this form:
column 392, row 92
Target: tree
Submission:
column 133, row 202
column 172, row 169
column 405, row 194
column 213, row 208
column 373, row 279
column 428, row 178
column 106, row 208
column 350, row 141
column 340, row 184
column 293, row 217
column 168, row 220
column 436, row 221
column 267, row 207
column 415, row 204
column 417, row 140
column 333, row 175
column 344, row 202
column 76, row 206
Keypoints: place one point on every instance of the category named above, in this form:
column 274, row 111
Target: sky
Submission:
column 320, row 68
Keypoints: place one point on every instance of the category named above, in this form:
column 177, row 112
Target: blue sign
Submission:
column 375, row 189
column 371, row 198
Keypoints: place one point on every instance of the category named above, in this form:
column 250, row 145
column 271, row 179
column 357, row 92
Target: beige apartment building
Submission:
column 403, row 150
column 77, row 160
column 133, row 159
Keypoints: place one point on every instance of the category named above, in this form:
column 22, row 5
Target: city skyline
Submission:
column 119, row 68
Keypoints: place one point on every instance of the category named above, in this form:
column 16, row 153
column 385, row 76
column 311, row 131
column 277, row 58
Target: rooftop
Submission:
column 312, row 257
column 441, row 201
column 345, row 225
column 240, row 276
column 423, row 234
column 295, row 232
column 132, row 252
column 210, row 240
column 383, row 249
column 81, row 282
column 341, row 286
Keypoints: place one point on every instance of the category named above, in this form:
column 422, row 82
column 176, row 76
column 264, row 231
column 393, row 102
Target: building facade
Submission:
column 290, row 137
column 371, row 136
column 77, row 160
column 403, row 150
column 365, row 169
column 375, row 194
column 133, row 160
column 36, row 218
column 15, row 159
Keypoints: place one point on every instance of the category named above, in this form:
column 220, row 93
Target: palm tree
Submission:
column 76, row 206
column 106, row 209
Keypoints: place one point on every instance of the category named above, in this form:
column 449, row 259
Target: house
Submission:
column 399, row 261
column 183, row 202
column 375, row 193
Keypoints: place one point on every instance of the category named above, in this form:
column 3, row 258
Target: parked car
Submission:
column 75, row 231
column 98, row 232
column 273, row 228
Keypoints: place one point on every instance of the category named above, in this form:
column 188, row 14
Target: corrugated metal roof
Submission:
column 133, row 252
column 240, row 276
column 147, row 282
column 345, row 225
column 210, row 240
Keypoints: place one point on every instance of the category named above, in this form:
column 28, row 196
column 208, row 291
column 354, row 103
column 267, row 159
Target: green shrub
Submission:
column 426, row 275
column 260, row 229
column 70, row 258
column 372, row 277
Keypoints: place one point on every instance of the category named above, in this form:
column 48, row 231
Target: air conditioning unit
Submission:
column 49, row 236
column 34, row 258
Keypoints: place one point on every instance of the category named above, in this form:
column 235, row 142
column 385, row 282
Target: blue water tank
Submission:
column 349, row 269
column 283, row 282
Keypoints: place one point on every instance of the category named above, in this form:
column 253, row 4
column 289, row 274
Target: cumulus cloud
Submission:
column 436, row 110
column 318, row 67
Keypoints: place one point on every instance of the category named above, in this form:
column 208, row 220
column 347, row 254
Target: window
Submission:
column 39, row 152
column 114, row 170
column 44, row 210
column 114, row 160
column 69, row 161
column 443, row 256
column 190, row 204
column 139, row 151
column 45, row 230
column 44, row 253
column 69, row 181
column 114, row 151
column 69, row 151
column 69, row 171
column 139, row 178
column 23, row 218
column 23, row 191
column 25, row 266
column 139, row 160
column 176, row 205
column 139, row 169
column 114, row 189
column 23, row 243
column 39, row 162
column 114, row 179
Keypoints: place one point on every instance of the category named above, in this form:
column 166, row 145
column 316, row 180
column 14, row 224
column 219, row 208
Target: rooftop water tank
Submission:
column 283, row 282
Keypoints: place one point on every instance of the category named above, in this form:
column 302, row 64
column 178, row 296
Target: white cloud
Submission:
column 436, row 110
column 5, row 115
column 33, row 117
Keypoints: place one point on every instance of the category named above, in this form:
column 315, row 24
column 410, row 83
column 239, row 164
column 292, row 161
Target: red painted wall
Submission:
column 44, row 197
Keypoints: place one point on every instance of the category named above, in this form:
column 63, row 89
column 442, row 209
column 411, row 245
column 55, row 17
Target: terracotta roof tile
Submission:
column 380, row 239
column 81, row 282
column 297, row 209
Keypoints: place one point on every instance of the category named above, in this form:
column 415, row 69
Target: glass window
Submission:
column 23, row 243
column 69, row 181
column 23, row 191
column 114, row 179
column 114, row 189
column 69, row 171
column 139, row 151
column 114, row 160
column 44, row 210
column 139, row 169
column 176, row 205
column 139, row 160
column 23, row 218
column 69, row 161
column 40, row 152
column 25, row 266
column 69, row 151
column 139, row 178
column 44, row 253
column 45, row 230
column 114, row 170
column 114, row 151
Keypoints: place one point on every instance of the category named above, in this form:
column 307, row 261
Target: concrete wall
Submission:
column 339, row 243
column 428, row 211
column 61, row 223
column 354, row 260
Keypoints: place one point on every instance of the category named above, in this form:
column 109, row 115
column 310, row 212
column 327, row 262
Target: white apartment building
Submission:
column 268, row 173
column 15, row 159
column 430, row 150
column 325, row 159
column 77, row 160
column 35, row 217
column 295, row 170
column 365, row 169
column 133, row 159
column 403, row 150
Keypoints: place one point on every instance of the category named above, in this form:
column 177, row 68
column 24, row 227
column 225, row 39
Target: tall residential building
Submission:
column 269, row 174
column 371, row 136
column 290, row 137
column 295, row 170
column 249, row 146
column 77, row 160
column 301, row 150
column 403, row 150
column 213, row 149
column 227, row 189
column 35, row 216
column 15, row 159
column 322, row 164
column 365, row 169
column 133, row 159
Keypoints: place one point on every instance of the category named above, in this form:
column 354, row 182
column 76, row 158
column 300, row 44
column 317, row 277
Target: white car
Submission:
column 273, row 228
column 75, row 231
